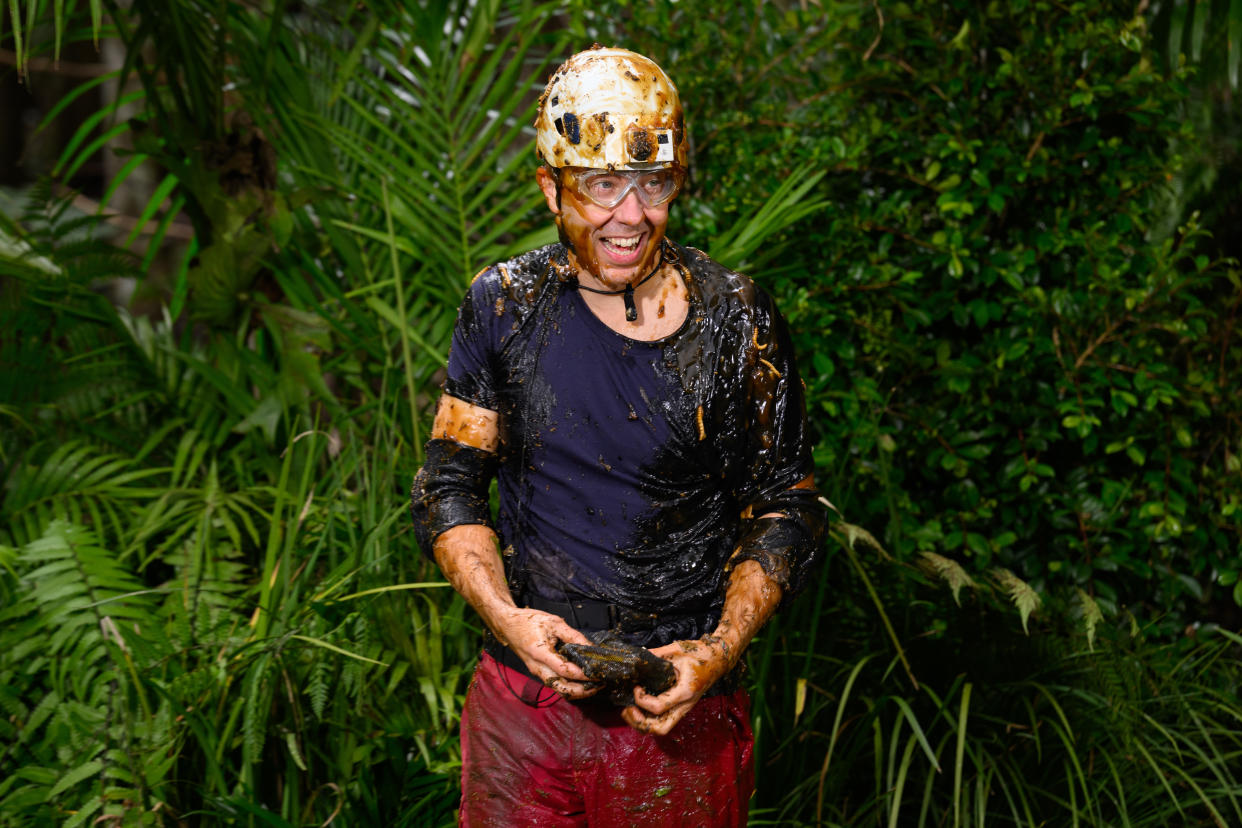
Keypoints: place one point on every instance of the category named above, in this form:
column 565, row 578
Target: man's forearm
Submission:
column 469, row 559
column 750, row 600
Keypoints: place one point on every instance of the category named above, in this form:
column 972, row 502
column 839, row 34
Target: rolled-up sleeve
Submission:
column 451, row 488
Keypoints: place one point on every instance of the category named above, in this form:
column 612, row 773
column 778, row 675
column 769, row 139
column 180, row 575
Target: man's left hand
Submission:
column 749, row 602
column 699, row 664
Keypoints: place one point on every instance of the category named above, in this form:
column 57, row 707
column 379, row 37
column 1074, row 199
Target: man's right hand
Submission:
column 533, row 636
column 469, row 559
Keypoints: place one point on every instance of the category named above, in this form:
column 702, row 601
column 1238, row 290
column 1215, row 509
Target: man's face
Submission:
column 617, row 245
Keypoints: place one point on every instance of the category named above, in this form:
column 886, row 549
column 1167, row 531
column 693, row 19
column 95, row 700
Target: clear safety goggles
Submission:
column 608, row 188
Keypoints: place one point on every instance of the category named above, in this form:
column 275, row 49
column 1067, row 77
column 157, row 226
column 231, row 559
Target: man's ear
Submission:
column 547, row 183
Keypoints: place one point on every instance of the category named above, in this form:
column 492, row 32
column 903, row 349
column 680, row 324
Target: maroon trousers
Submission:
column 548, row 762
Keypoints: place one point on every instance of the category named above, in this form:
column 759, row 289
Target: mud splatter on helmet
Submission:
column 610, row 109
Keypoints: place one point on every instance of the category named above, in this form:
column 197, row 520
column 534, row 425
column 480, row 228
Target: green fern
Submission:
column 855, row 534
column 77, row 583
column 257, row 696
column 75, row 636
column 1089, row 610
column 949, row 571
column 351, row 679
column 319, row 687
column 52, row 244
column 1025, row 598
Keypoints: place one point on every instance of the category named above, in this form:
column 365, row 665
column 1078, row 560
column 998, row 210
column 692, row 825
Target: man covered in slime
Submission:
column 640, row 407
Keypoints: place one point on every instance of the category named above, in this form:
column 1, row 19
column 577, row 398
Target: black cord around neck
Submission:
column 631, row 310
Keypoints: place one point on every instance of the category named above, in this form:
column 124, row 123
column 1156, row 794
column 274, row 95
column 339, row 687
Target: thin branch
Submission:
column 880, row 15
column 867, row 225
column 1039, row 140
column 1101, row 339
column 176, row 230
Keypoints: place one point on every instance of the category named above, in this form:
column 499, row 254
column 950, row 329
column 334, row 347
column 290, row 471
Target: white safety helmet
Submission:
column 610, row 109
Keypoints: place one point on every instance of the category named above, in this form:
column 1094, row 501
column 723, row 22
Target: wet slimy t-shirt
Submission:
column 625, row 465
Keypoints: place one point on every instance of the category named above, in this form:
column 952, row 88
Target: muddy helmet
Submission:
column 610, row 109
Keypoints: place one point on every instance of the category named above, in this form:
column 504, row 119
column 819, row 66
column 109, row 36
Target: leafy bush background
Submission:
column 1015, row 328
column 1006, row 360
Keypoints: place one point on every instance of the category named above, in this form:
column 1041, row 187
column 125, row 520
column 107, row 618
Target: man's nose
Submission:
column 630, row 210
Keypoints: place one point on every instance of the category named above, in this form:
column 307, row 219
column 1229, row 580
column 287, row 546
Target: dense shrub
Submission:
column 1005, row 362
column 1013, row 364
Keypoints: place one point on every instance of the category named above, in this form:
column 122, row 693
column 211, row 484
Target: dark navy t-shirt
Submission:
column 624, row 464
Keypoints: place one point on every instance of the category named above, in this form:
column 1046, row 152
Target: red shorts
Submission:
column 562, row 763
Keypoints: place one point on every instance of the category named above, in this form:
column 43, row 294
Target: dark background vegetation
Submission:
column 233, row 236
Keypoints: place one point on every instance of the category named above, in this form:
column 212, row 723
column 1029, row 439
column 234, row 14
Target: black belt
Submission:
column 594, row 616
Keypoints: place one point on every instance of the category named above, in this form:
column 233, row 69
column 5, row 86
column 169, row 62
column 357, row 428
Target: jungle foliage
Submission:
column 1016, row 331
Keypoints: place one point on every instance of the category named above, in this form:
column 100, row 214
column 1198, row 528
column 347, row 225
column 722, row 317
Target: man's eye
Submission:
column 602, row 187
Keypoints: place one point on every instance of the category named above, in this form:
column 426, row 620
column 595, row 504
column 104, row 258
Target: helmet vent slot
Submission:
column 571, row 128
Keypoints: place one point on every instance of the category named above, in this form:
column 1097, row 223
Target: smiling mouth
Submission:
column 623, row 246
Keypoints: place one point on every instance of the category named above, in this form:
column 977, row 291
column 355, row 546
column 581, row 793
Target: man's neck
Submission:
column 662, row 303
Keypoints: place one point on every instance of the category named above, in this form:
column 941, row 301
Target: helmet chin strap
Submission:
column 631, row 309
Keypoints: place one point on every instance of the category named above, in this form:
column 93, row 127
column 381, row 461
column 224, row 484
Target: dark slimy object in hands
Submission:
column 620, row 666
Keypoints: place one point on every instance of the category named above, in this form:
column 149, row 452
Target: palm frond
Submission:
column 739, row 247
column 74, row 482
